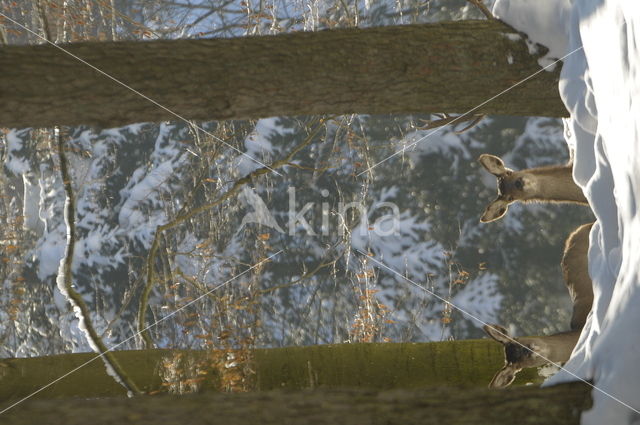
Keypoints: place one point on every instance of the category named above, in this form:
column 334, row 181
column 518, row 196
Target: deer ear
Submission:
column 504, row 377
column 499, row 333
column 495, row 210
column 493, row 164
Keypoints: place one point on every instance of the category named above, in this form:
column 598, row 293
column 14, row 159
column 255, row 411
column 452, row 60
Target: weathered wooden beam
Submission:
column 468, row 363
column 434, row 405
column 444, row 67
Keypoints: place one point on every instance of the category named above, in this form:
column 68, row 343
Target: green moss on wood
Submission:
column 469, row 363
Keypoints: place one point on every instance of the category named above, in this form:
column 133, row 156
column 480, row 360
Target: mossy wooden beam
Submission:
column 469, row 363
column 435, row 405
column 444, row 67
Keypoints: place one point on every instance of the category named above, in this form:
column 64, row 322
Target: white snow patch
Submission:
column 31, row 204
column 544, row 22
column 403, row 249
column 258, row 146
column 434, row 141
column 513, row 37
column 16, row 164
column 50, row 251
column 481, row 298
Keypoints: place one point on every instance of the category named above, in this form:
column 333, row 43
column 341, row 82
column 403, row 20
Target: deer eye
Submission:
column 519, row 184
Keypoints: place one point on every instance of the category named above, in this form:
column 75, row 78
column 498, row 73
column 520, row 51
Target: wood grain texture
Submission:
column 435, row 405
column 444, row 67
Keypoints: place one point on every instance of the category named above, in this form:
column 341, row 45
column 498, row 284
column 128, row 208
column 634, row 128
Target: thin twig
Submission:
column 44, row 20
column 485, row 11
column 446, row 119
column 299, row 280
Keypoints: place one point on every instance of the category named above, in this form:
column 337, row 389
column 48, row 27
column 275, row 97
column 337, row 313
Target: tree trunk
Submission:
column 440, row 405
column 468, row 363
column 445, row 67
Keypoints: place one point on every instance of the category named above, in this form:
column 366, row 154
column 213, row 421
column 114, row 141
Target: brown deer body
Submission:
column 544, row 184
column 535, row 351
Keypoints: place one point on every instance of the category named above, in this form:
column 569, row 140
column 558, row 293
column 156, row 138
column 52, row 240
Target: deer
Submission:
column 544, row 184
column 529, row 352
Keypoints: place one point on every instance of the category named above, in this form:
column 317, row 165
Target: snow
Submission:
column 440, row 142
column 542, row 20
column 600, row 85
column 147, row 184
column 15, row 162
column 480, row 298
column 258, row 147
column 31, row 200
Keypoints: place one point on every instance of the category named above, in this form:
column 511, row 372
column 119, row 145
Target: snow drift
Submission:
column 600, row 85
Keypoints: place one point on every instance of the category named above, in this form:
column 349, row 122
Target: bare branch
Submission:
column 65, row 279
column 480, row 5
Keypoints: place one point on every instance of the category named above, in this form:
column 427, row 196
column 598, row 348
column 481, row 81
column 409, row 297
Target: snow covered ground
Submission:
column 600, row 85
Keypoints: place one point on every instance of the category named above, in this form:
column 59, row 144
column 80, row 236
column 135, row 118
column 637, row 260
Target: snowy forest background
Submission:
column 132, row 179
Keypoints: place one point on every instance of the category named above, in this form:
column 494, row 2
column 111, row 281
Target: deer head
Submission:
column 521, row 353
column 544, row 184
column 527, row 352
column 518, row 354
